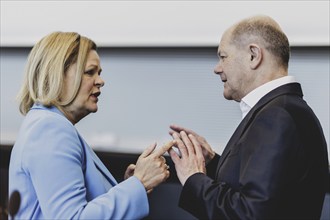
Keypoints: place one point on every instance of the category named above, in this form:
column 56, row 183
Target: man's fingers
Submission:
column 174, row 156
column 159, row 152
column 171, row 132
column 197, row 146
column 148, row 150
column 187, row 142
column 179, row 128
column 176, row 128
column 180, row 145
column 177, row 150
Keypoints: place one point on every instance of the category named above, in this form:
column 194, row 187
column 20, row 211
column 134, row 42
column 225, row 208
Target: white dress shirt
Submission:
column 255, row 95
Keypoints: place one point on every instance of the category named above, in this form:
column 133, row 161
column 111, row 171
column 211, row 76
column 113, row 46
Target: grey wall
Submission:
column 149, row 88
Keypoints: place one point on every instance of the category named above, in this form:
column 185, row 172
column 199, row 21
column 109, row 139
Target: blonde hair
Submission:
column 47, row 65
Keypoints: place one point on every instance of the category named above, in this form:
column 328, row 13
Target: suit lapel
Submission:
column 291, row 88
column 232, row 141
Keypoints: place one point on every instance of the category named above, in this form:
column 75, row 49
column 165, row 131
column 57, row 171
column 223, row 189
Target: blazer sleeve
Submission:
column 211, row 167
column 266, row 150
column 55, row 163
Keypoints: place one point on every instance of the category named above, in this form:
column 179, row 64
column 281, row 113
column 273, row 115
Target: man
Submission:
column 275, row 165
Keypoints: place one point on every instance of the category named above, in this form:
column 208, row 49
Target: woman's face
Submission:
column 90, row 88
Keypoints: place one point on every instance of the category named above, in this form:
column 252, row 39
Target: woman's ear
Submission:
column 256, row 56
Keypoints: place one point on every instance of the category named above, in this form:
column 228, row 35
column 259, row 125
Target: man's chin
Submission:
column 228, row 97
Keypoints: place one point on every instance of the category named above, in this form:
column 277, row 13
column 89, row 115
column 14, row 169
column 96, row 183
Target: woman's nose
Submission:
column 100, row 82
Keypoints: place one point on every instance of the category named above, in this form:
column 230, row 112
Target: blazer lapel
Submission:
column 232, row 141
column 98, row 163
column 291, row 88
column 100, row 166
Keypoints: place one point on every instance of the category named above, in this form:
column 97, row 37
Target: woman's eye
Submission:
column 89, row 72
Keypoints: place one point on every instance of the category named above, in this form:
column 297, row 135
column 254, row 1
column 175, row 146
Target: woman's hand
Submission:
column 129, row 171
column 151, row 168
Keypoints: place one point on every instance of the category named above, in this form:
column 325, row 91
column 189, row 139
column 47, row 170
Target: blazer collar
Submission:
column 98, row 163
column 290, row 88
column 50, row 108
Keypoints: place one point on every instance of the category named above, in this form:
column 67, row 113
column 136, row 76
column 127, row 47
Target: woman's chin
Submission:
column 93, row 109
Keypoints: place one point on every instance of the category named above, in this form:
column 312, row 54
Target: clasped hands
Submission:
column 194, row 153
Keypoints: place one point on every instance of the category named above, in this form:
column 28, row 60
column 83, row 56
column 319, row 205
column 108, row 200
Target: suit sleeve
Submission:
column 55, row 163
column 211, row 167
column 266, row 150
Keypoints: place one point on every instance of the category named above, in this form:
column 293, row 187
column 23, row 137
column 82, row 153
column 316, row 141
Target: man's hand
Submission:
column 207, row 150
column 192, row 160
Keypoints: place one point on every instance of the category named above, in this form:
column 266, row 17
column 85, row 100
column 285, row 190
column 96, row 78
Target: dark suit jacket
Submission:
column 275, row 166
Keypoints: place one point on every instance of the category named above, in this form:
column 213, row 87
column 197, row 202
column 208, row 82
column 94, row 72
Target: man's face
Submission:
column 231, row 68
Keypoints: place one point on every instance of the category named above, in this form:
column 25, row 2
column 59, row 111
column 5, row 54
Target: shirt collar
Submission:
column 251, row 99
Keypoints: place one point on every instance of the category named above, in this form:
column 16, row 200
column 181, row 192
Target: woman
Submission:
column 56, row 172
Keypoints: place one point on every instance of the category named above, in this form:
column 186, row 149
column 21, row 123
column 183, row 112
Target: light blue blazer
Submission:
column 60, row 177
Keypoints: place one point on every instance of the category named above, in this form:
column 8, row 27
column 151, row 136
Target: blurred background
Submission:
column 158, row 59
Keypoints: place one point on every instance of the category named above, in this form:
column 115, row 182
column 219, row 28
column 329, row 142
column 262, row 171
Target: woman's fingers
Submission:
column 148, row 150
column 159, row 152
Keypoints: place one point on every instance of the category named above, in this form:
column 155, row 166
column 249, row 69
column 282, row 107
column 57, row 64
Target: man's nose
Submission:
column 218, row 69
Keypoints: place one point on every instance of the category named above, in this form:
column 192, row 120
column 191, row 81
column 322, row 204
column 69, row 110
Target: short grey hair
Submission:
column 265, row 30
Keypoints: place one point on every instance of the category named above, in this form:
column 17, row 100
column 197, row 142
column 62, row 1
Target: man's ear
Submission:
column 256, row 56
